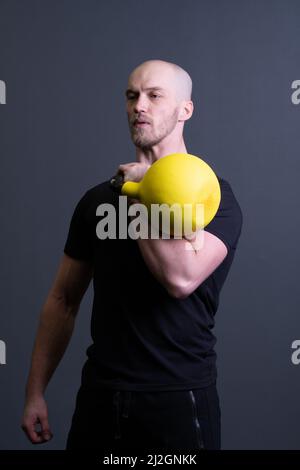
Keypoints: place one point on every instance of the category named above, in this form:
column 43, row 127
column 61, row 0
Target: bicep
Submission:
column 72, row 280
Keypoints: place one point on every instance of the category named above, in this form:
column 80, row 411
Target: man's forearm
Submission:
column 54, row 332
column 169, row 260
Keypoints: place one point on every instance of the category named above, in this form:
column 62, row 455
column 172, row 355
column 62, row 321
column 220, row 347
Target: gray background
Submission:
column 64, row 129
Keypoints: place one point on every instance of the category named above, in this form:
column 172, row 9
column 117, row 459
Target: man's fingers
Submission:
column 35, row 420
column 124, row 170
column 38, row 436
column 45, row 431
column 133, row 171
column 125, row 166
column 32, row 434
column 191, row 237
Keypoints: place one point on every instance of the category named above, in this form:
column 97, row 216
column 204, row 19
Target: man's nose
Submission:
column 141, row 104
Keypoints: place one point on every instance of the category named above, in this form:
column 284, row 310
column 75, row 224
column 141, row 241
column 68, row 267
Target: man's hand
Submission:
column 196, row 240
column 133, row 171
column 36, row 414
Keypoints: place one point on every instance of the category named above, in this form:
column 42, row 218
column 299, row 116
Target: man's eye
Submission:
column 154, row 95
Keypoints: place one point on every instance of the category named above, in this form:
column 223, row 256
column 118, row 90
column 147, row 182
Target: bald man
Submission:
column 149, row 381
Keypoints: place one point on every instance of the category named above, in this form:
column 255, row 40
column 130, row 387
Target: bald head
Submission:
column 172, row 75
column 158, row 103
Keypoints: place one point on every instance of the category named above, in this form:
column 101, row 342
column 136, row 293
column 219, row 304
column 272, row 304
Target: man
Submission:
column 150, row 378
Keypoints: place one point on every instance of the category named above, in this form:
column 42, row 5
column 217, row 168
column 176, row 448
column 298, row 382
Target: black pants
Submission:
column 145, row 421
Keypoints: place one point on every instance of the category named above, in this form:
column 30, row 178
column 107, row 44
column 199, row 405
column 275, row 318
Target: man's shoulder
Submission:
column 223, row 182
column 98, row 193
column 89, row 199
column 229, row 198
column 98, row 189
column 225, row 185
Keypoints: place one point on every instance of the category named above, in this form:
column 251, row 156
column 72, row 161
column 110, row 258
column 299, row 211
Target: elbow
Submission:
column 62, row 303
column 181, row 289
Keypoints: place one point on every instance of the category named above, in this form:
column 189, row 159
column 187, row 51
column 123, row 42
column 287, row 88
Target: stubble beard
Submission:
column 145, row 139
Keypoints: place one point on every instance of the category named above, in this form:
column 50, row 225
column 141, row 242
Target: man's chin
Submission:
column 142, row 143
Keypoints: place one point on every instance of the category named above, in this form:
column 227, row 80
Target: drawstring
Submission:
column 125, row 411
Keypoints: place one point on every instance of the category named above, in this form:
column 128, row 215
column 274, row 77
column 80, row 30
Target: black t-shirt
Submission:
column 143, row 338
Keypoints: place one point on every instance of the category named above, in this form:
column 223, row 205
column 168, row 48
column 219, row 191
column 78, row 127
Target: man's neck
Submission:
column 155, row 153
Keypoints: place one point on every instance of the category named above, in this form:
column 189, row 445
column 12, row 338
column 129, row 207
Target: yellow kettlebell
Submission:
column 184, row 180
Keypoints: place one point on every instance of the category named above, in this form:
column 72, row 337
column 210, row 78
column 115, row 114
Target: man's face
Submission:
column 152, row 108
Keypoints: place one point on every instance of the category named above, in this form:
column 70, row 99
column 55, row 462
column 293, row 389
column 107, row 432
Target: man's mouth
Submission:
column 138, row 123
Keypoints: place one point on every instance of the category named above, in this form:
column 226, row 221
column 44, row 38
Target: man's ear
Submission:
column 186, row 111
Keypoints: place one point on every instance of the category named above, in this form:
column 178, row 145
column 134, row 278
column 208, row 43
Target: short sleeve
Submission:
column 228, row 221
column 79, row 240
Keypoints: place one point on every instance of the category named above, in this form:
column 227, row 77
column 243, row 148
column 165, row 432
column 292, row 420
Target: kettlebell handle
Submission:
column 127, row 188
column 116, row 183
